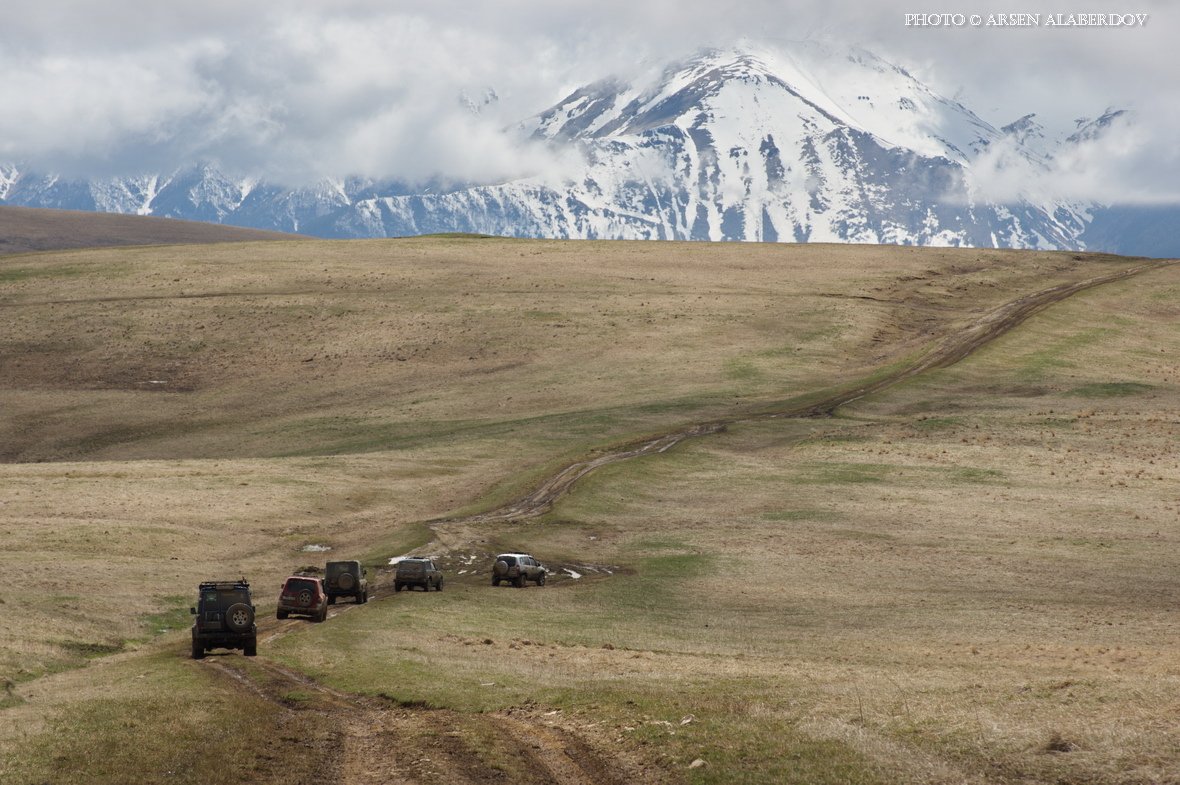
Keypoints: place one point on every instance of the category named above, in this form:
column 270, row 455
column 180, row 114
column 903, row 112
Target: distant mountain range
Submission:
column 812, row 145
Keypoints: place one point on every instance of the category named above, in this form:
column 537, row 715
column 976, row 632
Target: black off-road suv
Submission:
column 417, row 571
column 346, row 579
column 224, row 618
column 517, row 568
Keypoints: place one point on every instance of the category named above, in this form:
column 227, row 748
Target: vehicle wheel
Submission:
column 198, row 649
column 439, row 586
column 281, row 614
column 541, row 579
column 322, row 615
column 332, row 599
column 519, row 582
column 495, row 581
column 364, row 597
column 346, row 581
column 251, row 648
column 397, row 587
column 426, row 586
column 239, row 617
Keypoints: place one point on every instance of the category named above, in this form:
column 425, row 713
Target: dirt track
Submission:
column 949, row 351
column 370, row 740
column 377, row 741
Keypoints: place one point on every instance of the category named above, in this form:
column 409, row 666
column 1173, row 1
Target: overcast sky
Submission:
column 305, row 88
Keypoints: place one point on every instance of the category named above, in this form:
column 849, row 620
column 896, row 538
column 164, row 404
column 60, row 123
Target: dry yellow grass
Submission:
column 912, row 598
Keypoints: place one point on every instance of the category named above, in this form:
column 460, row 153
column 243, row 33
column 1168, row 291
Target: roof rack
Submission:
column 241, row 583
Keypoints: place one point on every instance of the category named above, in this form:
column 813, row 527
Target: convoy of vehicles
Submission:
column 224, row 616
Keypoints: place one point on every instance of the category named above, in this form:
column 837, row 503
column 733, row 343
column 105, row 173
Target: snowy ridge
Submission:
column 804, row 144
column 738, row 146
column 9, row 174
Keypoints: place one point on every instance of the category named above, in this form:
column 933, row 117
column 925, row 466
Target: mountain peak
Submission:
column 805, row 143
column 1088, row 129
column 777, row 89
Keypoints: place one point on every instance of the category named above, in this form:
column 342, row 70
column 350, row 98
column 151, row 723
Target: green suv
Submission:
column 224, row 618
column 346, row 579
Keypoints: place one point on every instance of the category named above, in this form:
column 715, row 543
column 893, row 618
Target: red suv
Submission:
column 305, row 596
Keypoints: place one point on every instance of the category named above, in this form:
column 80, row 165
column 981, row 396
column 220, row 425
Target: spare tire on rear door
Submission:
column 500, row 567
column 239, row 617
column 346, row 581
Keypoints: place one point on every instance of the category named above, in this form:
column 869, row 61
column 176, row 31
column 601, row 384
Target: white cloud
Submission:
column 1129, row 162
column 301, row 89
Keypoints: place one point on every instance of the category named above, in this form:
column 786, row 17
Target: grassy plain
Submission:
column 966, row 578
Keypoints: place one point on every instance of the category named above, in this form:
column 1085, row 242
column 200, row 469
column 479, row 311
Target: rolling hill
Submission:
column 25, row 229
column 885, row 559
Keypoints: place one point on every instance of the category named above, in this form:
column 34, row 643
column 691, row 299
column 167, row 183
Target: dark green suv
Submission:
column 224, row 618
column 417, row 571
column 346, row 579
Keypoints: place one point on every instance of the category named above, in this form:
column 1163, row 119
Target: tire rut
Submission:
column 376, row 741
column 945, row 353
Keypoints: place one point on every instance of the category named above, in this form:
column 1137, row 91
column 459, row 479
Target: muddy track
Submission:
column 947, row 352
column 372, row 740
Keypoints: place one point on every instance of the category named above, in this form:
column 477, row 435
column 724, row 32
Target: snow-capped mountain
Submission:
column 812, row 144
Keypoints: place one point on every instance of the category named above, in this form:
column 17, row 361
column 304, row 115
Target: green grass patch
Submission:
column 159, row 720
column 660, row 544
column 835, row 473
column 679, row 566
column 174, row 616
column 25, row 273
column 341, row 434
column 406, row 538
column 740, row 370
column 1054, row 356
column 974, row 474
column 809, row 514
column 659, row 592
column 1110, row 389
column 777, row 752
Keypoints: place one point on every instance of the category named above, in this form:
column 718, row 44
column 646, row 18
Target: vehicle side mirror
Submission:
column 193, row 611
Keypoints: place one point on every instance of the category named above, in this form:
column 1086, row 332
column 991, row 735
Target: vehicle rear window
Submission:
column 225, row 597
column 296, row 584
column 509, row 560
